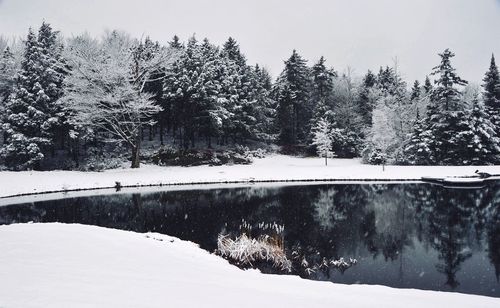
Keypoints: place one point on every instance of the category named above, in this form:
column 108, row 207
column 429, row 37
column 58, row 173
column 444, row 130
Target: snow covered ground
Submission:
column 58, row 265
column 272, row 168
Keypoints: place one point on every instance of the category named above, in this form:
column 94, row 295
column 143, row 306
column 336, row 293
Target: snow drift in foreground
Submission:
column 58, row 265
column 272, row 168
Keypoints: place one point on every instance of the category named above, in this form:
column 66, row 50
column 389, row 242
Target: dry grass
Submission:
column 247, row 250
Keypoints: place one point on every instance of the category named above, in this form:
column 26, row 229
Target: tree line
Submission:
column 66, row 100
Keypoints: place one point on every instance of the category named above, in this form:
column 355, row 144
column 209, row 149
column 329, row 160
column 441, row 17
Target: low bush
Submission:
column 168, row 156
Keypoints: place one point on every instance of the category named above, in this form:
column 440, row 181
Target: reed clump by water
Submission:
column 248, row 249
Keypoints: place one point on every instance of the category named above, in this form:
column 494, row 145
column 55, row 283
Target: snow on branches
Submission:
column 104, row 87
column 322, row 139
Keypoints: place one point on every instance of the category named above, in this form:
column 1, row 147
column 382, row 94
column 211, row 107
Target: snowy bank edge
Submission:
column 44, row 246
column 207, row 183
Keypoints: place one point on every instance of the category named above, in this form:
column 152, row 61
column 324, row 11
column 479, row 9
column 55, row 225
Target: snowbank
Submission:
column 58, row 265
column 273, row 168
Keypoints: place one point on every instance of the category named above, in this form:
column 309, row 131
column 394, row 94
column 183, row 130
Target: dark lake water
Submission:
column 403, row 235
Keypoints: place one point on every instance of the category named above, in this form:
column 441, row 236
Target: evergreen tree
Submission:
column 219, row 110
column 264, row 106
column 175, row 43
column 451, row 134
column 427, row 85
column 483, row 145
column 245, row 97
column 445, row 111
column 7, row 71
column 365, row 101
column 291, row 92
column 390, row 82
column 321, row 92
column 492, row 86
column 232, row 50
column 446, row 96
column 181, row 90
column 462, row 140
column 491, row 95
column 417, row 150
column 32, row 116
column 212, row 95
column 415, row 91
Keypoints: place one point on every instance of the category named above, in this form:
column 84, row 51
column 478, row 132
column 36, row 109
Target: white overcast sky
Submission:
column 362, row 34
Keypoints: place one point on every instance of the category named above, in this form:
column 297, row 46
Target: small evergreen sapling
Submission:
column 322, row 139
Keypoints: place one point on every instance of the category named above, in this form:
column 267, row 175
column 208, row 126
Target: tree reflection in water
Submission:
column 404, row 235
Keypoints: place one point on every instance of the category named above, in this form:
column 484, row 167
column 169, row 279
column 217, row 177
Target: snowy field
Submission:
column 58, row 265
column 272, row 168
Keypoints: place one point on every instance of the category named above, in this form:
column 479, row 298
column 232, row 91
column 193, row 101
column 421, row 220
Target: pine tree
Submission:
column 7, row 71
column 232, row 50
column 181, row 90
column 175, row 43
column 492, row 86
column 245, row 96
column 365, row 101
column 417, row 150
column 219, row 109
column 427, row 85
column 445, row 110
column 446, row 95
column 322, row 139
column 321, row 92
column 213, row 95
column 32, row 117
column 415, row 91
column 491, row 95
column 390, row 81
column 483, row 146
column 291, row 92
column 264, row 106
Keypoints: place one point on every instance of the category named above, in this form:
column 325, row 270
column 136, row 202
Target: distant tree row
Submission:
column 63, row 101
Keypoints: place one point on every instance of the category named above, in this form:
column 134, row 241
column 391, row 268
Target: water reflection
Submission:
column 412, row 235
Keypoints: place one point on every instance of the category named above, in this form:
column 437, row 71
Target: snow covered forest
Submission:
column 91, row 103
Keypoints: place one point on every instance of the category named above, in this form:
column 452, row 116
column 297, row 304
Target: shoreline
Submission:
column 279, row 169
column 168, row 185
column 58, row 265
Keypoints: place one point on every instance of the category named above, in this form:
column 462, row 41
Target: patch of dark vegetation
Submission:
column 167, row 156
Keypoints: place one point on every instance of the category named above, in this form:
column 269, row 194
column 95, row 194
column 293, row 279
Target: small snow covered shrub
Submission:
column 242, row 149
column 98, row 161
column 168, row 156
column 374, row 156
column 165, row 153
column 259, row 153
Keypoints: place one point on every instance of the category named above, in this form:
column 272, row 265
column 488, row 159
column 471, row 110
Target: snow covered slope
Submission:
column 58, row 265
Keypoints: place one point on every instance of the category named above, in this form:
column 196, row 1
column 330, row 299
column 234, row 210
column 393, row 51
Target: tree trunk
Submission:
column 136, row 161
